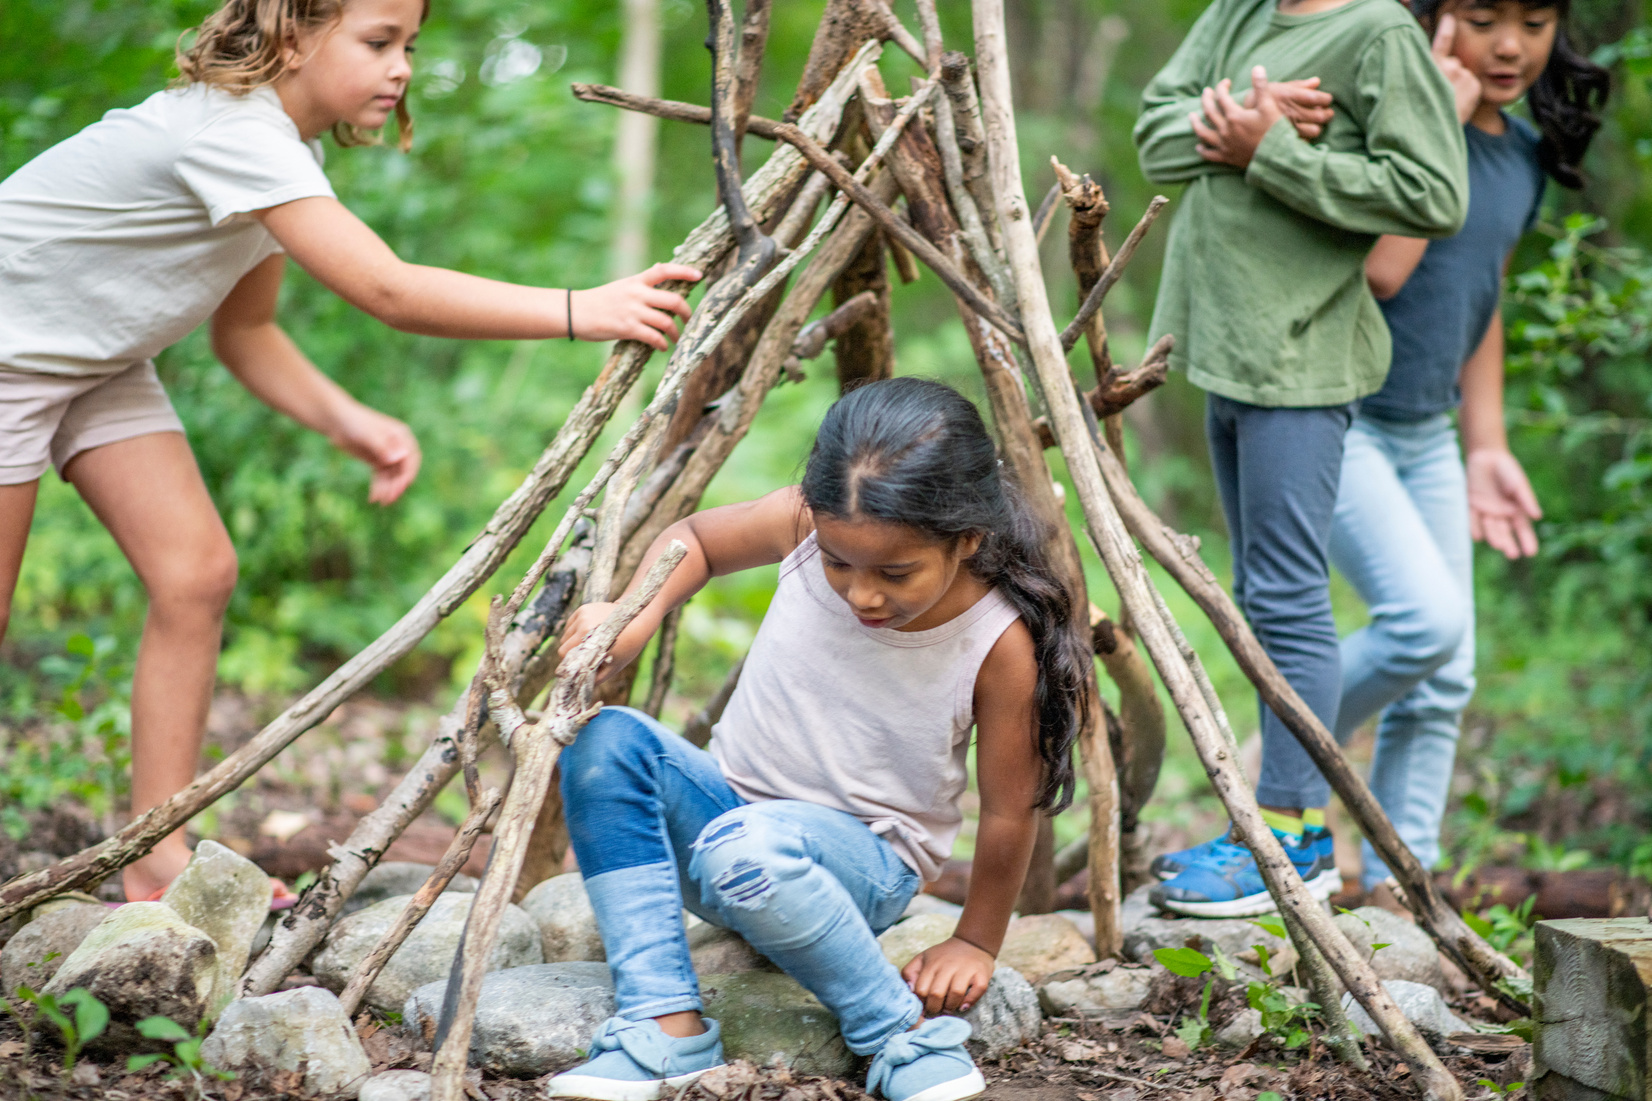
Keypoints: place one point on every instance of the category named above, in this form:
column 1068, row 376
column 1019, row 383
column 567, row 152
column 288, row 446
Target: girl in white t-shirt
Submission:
column 121, row 240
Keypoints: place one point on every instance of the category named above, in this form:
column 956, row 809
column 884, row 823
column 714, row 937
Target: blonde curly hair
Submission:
column 238, row 48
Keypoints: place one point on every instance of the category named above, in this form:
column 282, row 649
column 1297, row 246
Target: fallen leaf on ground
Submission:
column 1176, row 1048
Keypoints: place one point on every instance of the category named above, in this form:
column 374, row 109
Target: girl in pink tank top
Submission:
column 915, row 604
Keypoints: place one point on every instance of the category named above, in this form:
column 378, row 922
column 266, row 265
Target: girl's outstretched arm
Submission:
column 953, row 975
column 354, row 263
column 720, row 541
column 247, row 340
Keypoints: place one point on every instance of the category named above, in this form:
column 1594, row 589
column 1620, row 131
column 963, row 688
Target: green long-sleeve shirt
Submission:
column 1264, row 278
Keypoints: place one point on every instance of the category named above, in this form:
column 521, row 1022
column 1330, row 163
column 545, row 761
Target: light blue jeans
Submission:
column 656, row 828
column 1400, row 536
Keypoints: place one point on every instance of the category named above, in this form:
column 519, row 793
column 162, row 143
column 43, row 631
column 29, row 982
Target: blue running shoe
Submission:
column 1226, row 883
column 1322, row 877
column 1171, row 865
column 636, row 1061
column 928, row 1063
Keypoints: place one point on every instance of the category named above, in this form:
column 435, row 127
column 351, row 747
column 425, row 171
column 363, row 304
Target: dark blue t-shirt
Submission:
column 1442, row 313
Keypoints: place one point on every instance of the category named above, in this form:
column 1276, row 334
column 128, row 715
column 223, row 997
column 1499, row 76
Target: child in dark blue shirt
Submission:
column 1409, row 507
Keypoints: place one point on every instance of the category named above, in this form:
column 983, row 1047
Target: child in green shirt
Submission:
column 1347, row 131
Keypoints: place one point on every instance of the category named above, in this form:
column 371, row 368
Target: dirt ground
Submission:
column 1075, row 1061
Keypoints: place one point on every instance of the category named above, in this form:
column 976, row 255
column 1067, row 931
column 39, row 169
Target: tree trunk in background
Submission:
column 635, row 138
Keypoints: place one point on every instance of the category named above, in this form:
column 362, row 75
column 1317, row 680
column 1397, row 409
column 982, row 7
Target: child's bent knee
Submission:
column 738, row 859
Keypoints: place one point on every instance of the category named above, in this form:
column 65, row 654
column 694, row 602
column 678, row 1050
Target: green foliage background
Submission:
column 511, row 179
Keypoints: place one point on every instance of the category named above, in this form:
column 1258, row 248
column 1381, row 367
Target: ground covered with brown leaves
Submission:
column 1138, row 1060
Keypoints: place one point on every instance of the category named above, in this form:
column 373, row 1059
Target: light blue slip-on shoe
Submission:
column 1171, row 865
column 636, row 1061
column 1226, row 883
column 927, row 1063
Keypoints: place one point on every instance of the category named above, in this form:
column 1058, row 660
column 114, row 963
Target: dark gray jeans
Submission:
column 1277, row 471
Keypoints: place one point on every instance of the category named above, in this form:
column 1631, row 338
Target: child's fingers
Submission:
column 1215, row 117
column 660, row 321
column 662, row 273
column 667, row 301
column 1230, row 106
column 1202, row 130
column 1259, row 80
column 1445, row 36
column 1525, row 536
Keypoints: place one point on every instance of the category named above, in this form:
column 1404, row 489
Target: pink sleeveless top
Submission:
column 867, row 720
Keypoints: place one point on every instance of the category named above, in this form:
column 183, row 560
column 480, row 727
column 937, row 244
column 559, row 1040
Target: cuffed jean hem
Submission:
column 1299, row 795
column 872, row 1048
column 648, row 1010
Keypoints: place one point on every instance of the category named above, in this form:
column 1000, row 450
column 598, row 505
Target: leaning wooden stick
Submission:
column 890, row 221
column 536, row 748
column 672, row 109
column 1124, row 564
column 1179, row 555
column 458, row 851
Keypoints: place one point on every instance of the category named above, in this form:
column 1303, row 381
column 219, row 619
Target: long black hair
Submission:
column 913, row 452
column 1566, row 98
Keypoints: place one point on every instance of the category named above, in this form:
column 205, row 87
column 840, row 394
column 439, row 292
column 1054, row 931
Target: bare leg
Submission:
column 149, row 494
column 16, row 511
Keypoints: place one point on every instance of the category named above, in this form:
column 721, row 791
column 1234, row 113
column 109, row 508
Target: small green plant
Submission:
column 79, row 1016
column 1496, row 1090
column 185, row 1056
column 1190, row 963
column 1507, row 930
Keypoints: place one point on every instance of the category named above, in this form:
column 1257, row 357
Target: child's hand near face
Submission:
column 1465, row 86
column 950, row 977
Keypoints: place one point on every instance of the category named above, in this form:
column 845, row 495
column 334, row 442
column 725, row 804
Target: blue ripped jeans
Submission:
column 656, row 828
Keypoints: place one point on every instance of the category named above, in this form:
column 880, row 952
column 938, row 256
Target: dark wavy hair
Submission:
column 913, row 452
column 1566, row 100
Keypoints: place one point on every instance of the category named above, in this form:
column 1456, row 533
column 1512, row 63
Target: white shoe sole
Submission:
column 615, row 1089
column 1321, row 887
column 970, row 1085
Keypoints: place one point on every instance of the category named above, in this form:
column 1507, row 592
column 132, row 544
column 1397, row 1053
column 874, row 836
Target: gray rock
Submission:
column 23, row 960
column 567, row 924
column 1235, row 936
column 1007, row 1015
column 227, row 897
column 903, row 941
column 719, row 951
column 929, row 904
column 399, row 877
column 769, row 1019
column 1239, row 1032
column 1410, row 955
column 397, row 1085
column 529, row 1020
column 141, row 961
column 1042, row 944
column 1421, row 1004
column 426, row 955
column 1084, row 921
column 303, row 1029
column 1112, row 993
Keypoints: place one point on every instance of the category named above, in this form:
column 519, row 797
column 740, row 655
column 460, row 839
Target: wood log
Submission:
column 537, row 748
column 421, row 902
column 665, row 663
column 1139, row 753
column 1593, row 997
column 844, row 25
column 1115, row 268
column 1129, row 576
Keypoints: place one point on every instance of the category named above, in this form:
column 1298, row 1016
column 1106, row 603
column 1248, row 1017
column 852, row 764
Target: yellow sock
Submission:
column 1314, row 818
column 1284, row 823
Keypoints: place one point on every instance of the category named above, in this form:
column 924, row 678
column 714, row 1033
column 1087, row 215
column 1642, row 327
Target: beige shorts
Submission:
column 46, row 420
